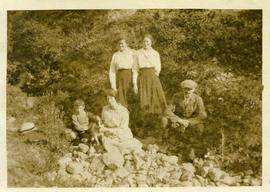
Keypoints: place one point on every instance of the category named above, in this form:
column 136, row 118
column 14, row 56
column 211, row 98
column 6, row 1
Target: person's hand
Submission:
column 135, row 89
column 185, row 123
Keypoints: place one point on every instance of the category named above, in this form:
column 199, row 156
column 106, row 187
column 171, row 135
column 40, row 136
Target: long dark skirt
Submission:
column 124, row 85
column 152, row 97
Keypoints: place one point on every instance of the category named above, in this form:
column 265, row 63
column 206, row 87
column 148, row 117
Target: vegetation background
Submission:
column 58, row 56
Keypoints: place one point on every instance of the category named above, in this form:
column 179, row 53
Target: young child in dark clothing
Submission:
column 85, row 124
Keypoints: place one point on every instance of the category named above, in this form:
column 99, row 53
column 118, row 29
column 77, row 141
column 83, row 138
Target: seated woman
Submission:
column 116, row 134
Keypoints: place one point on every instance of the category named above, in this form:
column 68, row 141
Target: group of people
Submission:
column 138, row 71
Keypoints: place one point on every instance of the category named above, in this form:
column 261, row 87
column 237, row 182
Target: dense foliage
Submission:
column 66, row 54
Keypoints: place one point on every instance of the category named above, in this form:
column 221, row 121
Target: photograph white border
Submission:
column 6, row 5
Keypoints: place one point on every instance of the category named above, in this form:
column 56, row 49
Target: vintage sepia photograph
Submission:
column 134, row 98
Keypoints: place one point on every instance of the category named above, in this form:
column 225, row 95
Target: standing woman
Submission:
column 147, row 68
column 120, row 73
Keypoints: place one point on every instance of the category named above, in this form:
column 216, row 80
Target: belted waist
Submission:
column 123, row 70
column 147, row 68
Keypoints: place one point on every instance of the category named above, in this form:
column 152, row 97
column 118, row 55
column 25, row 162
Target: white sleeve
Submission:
column 112, row 73
column 135, row 68
column 157, row 64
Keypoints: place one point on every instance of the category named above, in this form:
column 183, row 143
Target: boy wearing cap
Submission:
column 186, row 111
column 85, row 130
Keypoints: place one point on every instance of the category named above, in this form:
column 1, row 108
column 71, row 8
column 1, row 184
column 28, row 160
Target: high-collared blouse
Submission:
column 120, row 60
column 118, row 120
column 148, row 58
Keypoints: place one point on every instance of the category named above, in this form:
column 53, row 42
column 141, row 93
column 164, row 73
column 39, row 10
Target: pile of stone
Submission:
column 150, row 168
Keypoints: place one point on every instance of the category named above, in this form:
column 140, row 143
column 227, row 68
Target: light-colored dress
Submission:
column 148, row 67
column 120, row 74
column 117, row 120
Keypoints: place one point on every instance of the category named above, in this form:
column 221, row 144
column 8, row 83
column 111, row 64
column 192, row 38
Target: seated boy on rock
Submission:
column 186, row 112
column 85, row 124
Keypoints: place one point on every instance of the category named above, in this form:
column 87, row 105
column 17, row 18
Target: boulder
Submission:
column 77, row 177
column 161, row 174
column 248, row 172
column 83, row 147
column 170, row 159
column 186, row 184
column 152, row 148
column 74, row 168
column 121, row 172
column 138, row 161
column 113, row 160
column 186, row 176
column 97, row 164
column 188, row 167
column 228, row 180
column 196, row 182
column 175, row 175
column 128, row 166
column 246, row 180
column 255, row 182
column 64, row 161
column 51, row 176
column 203, row 171
column 87, row 175
column 140, row 178
column 91, row 152
column 215, row 174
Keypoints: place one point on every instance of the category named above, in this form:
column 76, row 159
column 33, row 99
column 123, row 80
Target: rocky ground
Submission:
column 151, row 168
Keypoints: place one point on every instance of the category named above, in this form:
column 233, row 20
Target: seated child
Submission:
column 85, row 124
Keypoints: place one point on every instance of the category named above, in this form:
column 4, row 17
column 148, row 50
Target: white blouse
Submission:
column 120, row 60
column 118, row 120
column 148, row 58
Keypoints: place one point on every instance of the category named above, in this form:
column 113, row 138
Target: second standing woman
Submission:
column 147, row 68
column 120, row 73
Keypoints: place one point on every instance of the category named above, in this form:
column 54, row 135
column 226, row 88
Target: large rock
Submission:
column 175, row 175
column 97, row 164
column 128, row 166
column 228, row 180
column 74, row 168
column 215, row 174
column 162, row 174
column 138, row 161
column 203, row 171
column 113, row 160
column 64, row 161
column 255, row 182
column 83, row 147
column 187, row 171
column 186, row 184
column 121, row 172
column 196, row 182
column 170, row 159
